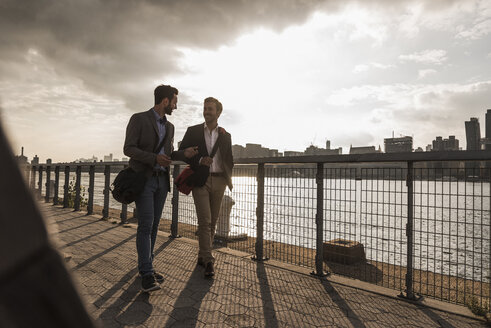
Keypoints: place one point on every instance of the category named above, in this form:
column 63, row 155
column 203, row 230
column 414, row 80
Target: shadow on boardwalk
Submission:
column 243, row 293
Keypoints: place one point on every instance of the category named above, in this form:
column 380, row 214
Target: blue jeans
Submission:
column 149, row 206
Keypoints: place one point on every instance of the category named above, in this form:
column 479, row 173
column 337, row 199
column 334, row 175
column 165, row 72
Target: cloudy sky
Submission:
column 290, row 73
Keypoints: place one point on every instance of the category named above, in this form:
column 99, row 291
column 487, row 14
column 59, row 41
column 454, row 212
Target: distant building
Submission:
column 253, row 150
column 418, row 150
column 35, row 160
column 428, row 147
column 49, row 161
column 256, row 150
column 87, row 160
column 314, row 150
column 473, row 134
column 124, row 159
column 108, row 158
column 450, row 144
column 288, row 153
column 21, row 159
column 238, row 151
column 363, row 150
column 398, row 145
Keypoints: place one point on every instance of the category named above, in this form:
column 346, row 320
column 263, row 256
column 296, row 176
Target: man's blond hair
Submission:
column 216, row 102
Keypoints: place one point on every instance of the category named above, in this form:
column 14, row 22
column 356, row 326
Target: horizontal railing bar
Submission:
column 378, row 157
column 357, row 158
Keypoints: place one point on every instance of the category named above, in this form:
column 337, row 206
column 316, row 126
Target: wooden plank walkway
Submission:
column 242, row 294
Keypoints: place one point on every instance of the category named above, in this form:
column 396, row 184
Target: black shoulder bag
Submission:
column 129, row 184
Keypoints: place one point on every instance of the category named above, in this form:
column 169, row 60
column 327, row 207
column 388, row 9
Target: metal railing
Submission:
column 414, row 222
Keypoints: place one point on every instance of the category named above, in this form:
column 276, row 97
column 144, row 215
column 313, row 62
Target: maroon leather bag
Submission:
column 188, row 178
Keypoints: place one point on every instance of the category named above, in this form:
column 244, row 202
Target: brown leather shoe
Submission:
column 209, row 270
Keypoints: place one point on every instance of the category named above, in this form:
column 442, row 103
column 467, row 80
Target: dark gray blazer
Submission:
column 195, row 136
column 142, row 140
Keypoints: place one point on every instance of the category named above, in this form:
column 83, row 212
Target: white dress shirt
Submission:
column 210, row 139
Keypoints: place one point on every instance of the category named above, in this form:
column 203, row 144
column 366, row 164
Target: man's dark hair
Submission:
column 164, row 91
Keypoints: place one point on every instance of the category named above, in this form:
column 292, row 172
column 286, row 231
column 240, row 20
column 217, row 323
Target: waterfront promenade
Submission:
column 101, row 257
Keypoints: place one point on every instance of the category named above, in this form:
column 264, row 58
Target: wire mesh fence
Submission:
column 380, row 224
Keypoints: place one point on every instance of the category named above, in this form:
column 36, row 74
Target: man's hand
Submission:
column 163, row 160
column 206, row 160
column 190, row 151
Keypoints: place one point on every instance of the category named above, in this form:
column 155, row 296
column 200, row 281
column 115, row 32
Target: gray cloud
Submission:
column 121, row 48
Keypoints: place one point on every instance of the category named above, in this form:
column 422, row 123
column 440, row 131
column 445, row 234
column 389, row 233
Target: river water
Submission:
column 451, row 218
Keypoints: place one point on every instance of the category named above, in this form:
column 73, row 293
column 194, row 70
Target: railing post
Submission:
column 27, row 173
column 107, row 177
column 33, row 177
column 319, row 223
column 65, row 187
column 175, row 205
column 76, row 205
column 90, row 202
column 260, row 214
column 57, row 184
column 124, row 212
column 48, row 183
column 409, row 234
column 40, row 181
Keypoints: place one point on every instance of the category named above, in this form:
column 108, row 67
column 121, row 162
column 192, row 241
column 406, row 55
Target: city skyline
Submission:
column 289, row 74
column 397, row 144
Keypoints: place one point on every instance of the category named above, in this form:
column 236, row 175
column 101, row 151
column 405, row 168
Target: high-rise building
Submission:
column 437, row 144
column 450, row 144
column 398, row 145
column 473, row 134
column 486, row 141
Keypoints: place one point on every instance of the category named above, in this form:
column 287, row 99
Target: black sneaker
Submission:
column 209, row 270
column 149, row 284
column 201, row 262
column 158, row 277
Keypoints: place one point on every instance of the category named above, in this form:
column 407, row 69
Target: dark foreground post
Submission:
column 33, row 177
column 65, row 187
column 260, row 214
column 90, row 202
column 48, row 184
column 107, row 177
column 319, row 222
column 175, row 205
column 57, row 184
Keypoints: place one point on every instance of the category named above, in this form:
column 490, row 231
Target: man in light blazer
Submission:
column 208, row 198
column 144, row 133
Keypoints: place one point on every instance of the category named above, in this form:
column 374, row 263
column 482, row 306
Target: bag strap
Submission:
column 160, row 146
column 215, row 147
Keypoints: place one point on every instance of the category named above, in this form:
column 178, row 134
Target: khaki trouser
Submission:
column 207, row 200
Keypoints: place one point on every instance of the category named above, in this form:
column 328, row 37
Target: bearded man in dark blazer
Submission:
column 208, row 197
column 144, row 133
